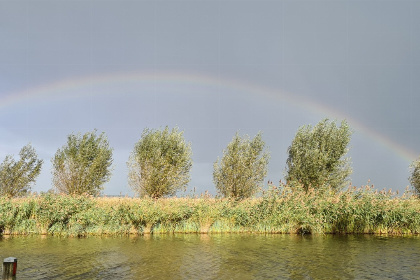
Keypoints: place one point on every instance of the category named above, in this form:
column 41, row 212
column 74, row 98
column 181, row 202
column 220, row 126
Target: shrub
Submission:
column 17, row 176
column 415, row 176
column 83, row 165
column 316, row 156
column 160, row 163
column 242, row 168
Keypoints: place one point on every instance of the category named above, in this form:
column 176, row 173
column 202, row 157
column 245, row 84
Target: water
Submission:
column 225, row 256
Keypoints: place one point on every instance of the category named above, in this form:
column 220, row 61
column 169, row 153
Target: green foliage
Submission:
column 160, row 163
column 17, row 176
column 83, row 165
column 415, row 176
column 282, row 210
column 242, row 168
column 289, row 209
column 316, row 156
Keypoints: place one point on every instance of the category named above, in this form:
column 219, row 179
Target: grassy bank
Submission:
column 281, row 210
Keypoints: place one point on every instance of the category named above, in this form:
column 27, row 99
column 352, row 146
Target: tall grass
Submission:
column 280, row 210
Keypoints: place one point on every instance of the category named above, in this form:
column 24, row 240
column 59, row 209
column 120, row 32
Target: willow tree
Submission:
column 17, row 176
column 160, row 163
column 415, row 176
column 241, row 170
column 317, row 156
column 83, row 165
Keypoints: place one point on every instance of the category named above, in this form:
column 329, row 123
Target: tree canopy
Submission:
column 241, row 170
column 17, row 176
column 160, row 163
column 83, row 165
column 317, row 156
column 415, row 176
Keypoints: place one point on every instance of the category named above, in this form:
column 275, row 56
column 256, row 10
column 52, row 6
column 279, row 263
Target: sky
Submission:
column 212, row 68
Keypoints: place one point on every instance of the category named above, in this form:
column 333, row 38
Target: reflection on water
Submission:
column 226, row 256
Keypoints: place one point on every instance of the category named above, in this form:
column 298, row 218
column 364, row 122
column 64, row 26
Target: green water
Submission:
column 225, row 256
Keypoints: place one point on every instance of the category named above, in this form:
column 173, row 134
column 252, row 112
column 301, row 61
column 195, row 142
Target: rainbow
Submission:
column 53, row 90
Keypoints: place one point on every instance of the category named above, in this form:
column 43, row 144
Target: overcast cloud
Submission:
column 212, row 68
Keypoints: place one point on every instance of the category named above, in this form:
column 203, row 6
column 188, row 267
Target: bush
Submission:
column 415, row 176
column 83, row 165
column 316, row 156
column 160, row 163
column 281, row 210
column 242, row 168
column 17, row 176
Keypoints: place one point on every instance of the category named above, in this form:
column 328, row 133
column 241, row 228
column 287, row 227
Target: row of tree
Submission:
column 160, row 163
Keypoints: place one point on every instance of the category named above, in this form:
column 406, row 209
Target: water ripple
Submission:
column 225, row 256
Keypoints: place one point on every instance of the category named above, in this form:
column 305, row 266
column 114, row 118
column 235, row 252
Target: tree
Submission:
column 160, row 163
column 17, row 176
column 415, row 176
column 83, row 165
column 242, row 168
column 316, row 156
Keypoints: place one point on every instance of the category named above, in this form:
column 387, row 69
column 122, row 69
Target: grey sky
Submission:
column 212, row 68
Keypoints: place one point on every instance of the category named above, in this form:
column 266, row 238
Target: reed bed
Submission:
column 280, row 210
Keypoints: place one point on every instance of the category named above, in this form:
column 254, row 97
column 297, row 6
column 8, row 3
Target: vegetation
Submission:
column 17, row 176
column 415, row 176
column 312, row 201
column 160, row 163
column 316, row 156
column 281, row 210
column 83, row 164
column 242, row 168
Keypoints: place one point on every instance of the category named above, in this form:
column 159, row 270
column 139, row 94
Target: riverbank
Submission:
column 281, row 210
